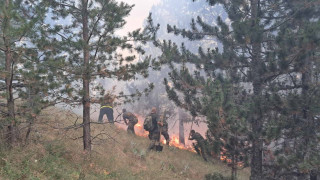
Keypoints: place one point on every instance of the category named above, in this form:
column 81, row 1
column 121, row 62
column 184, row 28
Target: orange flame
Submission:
column 139, row 127
column 164, row 141
column 224, row 158
column 175, row 142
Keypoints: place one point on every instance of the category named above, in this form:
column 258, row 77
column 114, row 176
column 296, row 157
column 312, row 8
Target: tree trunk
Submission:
column 86, row 79
column 307, row 114
column 257, row 144
column 234, row 167
column 9, row 95
column 12, row 131
column 181, row 128
column 31, row 115
column 256, row 120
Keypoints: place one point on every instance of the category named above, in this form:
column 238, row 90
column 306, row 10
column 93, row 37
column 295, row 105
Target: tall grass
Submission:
column 53, row 154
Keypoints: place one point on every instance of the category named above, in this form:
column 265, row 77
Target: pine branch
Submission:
column 14, row 85
column 291, row 17
column 287, row 87
column 97, row 21
column 66, row 5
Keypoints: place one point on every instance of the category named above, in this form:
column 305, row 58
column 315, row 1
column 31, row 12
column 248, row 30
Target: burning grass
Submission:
column 174, row 139
column 116, row 155
column 175, row 142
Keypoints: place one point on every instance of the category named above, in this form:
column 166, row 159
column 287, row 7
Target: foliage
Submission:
column 263, row 50
column 25, row 73
column 90, row 50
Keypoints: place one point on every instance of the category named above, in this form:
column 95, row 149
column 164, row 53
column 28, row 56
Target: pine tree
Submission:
column 251, row 58
column 296, row 123
column 93, row 50
column 19, row 20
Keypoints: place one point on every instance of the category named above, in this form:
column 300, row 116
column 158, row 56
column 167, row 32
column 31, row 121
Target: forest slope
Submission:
column 55, row 151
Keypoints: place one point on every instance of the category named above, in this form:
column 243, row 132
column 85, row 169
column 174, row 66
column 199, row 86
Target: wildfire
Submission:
column 224, row 158
column 139, row 128
column 175, row 142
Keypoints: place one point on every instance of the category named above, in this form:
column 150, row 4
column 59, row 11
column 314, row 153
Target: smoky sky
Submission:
column 138, row 14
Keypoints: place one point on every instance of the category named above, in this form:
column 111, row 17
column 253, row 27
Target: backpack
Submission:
column 135, row 120
column 147, row 124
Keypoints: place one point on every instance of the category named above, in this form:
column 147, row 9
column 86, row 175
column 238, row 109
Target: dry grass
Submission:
column 116, row 155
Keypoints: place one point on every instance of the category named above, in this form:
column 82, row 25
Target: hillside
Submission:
column 55, row 151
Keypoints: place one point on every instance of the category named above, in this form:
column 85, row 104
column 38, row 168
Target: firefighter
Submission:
column 164, row 127
column 154, row 133
column 106, row 108
column 200, row 145
column 130, row 119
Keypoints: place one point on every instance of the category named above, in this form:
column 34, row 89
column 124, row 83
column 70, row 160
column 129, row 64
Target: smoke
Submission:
column 164, row 12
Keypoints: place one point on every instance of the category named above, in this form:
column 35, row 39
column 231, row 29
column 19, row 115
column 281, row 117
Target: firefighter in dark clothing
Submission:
column 106, row 108
column 130, row 119
column 154, row 134
column 164, row 128
column 199, row 147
